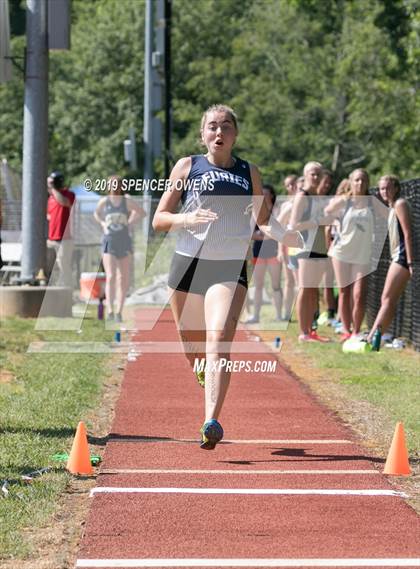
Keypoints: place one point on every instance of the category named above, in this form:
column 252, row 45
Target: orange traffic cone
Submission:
column 397, row 461
column 79, row 459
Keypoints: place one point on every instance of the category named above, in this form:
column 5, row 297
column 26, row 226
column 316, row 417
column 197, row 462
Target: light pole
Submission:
column 35, row 140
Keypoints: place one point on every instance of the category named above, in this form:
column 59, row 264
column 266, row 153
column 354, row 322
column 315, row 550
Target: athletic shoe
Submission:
column 211, row 434
column 201, row 378
column 305, row 338
column 252, row 320
column 315, row 337
column 360, row 337
column 345, row 336
column 118, row 317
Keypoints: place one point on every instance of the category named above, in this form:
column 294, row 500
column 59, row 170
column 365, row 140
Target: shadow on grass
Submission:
column 102, row 441
column 27, row 471
column 59, row 432
column 66, row 432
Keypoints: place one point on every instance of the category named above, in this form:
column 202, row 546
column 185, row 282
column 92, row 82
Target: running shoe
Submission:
column 398, row 344
column 360, row 337
column 339, row 328
column 316, row 338
column 201, row 378
column 305, row 338
column 345, row 336
column 252, row 320
column 387, row 338
column 211, row 434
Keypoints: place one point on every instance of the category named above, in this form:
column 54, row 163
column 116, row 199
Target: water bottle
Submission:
column 101, row 309
column 277, row 342
column 41, row 278
column 376, row 340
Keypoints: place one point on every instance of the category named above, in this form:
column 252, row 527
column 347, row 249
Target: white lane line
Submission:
column 214, row 471
column 270, row 491
column 235, row 441
column 143, row 347
column 369, row 562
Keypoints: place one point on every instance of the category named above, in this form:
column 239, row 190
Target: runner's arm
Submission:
column 98, row 213
column 165, row 218
column 335, row 205
column 136, row 212
column 266, row 222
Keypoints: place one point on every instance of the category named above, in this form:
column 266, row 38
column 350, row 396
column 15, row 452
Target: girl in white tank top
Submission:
column 352, row 250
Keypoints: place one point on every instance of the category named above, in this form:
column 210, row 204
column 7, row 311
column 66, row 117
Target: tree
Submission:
column 11, row 105
column 336, row 81
column 97, row 88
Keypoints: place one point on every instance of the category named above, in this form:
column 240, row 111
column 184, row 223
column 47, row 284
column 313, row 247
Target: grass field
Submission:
column 388, row 379
column 42, row 398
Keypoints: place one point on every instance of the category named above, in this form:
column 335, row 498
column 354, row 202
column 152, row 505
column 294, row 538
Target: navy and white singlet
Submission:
column 397, row 246
column 227, row 192
column 116, row 240
column 215, row 252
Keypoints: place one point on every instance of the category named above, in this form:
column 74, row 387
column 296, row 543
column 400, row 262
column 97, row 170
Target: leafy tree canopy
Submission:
column 336, row 81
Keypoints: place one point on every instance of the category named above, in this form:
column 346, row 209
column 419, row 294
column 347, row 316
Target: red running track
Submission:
column 288, row 487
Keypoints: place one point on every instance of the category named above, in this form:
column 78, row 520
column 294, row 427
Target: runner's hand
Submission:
column 199, row 216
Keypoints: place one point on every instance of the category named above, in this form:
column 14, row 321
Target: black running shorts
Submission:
column 189, row 274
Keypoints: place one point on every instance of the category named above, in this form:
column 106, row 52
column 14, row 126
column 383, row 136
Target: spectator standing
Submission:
column 265, row 257
column 401, row 249
column 117, row 213
column 311, row 263
column 60, row 243
column 351, row 251
column 287, row 255
column 322, row 243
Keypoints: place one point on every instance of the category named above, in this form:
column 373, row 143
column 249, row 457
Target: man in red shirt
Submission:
column 60, row 241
